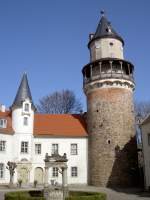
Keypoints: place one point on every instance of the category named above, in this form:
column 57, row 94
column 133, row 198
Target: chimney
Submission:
column 2, row 108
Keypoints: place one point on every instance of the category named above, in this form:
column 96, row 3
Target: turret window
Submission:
column 26, row 107
column 25, row 121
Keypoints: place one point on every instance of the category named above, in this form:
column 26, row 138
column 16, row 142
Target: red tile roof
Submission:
column 6, row 115
column 65, row 125
column 56, row 125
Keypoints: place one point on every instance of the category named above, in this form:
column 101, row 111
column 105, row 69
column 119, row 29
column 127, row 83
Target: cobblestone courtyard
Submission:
column 128, row 194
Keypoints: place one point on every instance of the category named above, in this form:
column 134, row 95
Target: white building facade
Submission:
column 26, row 136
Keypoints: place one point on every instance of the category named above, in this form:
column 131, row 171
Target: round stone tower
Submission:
column 108, row 85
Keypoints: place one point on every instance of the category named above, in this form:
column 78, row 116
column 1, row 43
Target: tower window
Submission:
column 111, row 43
column 26, row 107
column 108, row 141
column 25, row 121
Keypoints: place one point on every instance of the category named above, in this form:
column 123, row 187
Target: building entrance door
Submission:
column 38, row 175
column 23, row 175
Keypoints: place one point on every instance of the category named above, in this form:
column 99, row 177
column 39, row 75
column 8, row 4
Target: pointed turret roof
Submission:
column 23, row 92
column 105, row 30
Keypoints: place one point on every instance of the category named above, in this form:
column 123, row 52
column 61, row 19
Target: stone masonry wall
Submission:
column 110, row 120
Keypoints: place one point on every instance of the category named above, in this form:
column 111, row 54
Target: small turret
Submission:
column 106, row 42
column 23, row 108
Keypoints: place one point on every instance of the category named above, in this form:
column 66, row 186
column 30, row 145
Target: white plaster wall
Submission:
column 18, row 138
column 79, row 161
column 13, row 148
column 17, row 121
column 146, row 150
column 102, row 49
column 6, row 155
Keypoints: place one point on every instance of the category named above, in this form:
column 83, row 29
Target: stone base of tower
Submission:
column 112, row 145
column 118, row 171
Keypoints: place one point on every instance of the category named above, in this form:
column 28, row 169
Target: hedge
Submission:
column 86, row 196
column 38, row 195
column 24, row 195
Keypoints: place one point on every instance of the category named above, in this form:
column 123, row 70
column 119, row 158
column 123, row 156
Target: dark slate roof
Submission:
column 23, row 92
column 105, row 30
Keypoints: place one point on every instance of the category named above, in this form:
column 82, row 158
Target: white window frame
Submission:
column 2, row 170
column 2, row 145
column 74, row 171
column 74, row 149
column 55, row 148
column 55, row 172
column 3, row 123
column 38, row 148
column 24, row 147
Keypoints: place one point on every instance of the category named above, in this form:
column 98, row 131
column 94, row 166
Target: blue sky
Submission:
column 48, row 39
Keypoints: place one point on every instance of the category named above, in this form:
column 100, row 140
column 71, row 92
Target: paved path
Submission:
column 128, row 194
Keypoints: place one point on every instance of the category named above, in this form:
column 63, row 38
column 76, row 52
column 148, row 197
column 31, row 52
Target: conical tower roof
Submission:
column 23, row 93
column 105, row 30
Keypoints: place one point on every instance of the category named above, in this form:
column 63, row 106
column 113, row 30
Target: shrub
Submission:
column 35, row 183
column 86, row 196
column 22, row 196
column 19, row 182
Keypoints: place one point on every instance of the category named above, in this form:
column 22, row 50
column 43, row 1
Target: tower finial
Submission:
column 102, row 12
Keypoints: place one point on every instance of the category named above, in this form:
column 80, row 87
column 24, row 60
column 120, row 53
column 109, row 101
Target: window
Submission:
column 25, row 121
column 37, row 148
column 111, row 43
column 2, row 145
column 55, row 172
column 26, row 107
column 74, row 171
column 24, row 147
column 1, row 170
column 74, row 149
column 149, row 139
column 54, row 148
column 3, row 123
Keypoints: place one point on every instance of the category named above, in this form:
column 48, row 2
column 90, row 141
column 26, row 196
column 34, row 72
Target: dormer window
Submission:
column 26, row 107
column 3, row 123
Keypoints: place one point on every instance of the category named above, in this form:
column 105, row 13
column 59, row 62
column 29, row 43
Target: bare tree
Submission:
column 61, row 102
column 142, row 109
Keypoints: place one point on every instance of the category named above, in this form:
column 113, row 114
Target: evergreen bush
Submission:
column 21, row 195
column 86, row 196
